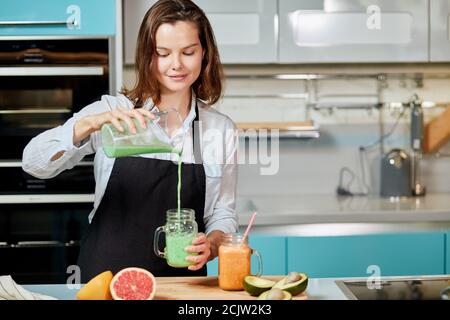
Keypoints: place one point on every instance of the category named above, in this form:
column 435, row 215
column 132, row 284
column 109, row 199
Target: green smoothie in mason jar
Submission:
column 180, row 229
column 175, row 249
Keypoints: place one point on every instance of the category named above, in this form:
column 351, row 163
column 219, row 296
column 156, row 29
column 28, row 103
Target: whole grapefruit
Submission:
column 133, row 284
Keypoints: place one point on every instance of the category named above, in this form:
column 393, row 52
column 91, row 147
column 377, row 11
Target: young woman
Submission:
column 178, row 66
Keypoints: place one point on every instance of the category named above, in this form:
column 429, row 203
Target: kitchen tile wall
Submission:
column 313, row 166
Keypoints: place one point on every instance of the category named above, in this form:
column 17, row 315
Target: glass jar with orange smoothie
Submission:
column 234, row 261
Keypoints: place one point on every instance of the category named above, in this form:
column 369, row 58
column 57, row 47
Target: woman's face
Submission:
column 179, row 56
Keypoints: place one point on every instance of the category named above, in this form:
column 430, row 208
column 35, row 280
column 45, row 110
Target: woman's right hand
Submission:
column 89, row 124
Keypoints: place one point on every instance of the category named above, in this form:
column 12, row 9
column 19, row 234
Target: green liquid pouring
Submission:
column 175, row 243
column 179, row 186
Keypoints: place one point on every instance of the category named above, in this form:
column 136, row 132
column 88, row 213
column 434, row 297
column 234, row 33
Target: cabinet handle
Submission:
column 73, row 23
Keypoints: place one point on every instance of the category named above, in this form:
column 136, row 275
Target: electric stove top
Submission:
column 397, row 288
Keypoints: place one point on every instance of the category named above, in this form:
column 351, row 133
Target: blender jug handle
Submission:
column 158, row 232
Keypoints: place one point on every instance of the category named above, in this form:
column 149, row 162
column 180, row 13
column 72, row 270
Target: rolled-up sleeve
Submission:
column 38, row 153
column 223, row 217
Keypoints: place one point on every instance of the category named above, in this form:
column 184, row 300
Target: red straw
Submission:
column 249, row 226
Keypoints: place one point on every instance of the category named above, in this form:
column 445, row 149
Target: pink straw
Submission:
column 252, row 219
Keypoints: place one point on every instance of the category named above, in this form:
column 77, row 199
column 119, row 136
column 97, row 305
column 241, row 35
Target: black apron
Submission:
column 138, row 194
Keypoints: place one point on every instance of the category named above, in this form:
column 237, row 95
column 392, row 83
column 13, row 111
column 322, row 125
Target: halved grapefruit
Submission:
column 133, row 284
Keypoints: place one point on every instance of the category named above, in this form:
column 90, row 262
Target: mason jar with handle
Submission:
column 234, row 261
column 180, row 229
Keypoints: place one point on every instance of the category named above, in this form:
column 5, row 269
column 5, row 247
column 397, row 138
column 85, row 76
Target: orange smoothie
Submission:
column 234, row 265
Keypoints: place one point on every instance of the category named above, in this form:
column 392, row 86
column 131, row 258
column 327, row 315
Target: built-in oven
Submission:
column 40, row 241
column 43, row 81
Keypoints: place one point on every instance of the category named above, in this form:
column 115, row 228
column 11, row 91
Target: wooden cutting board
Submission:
column 437, row 132
column 202, row 288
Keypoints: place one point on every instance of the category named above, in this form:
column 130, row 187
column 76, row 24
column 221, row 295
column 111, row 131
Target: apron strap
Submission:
column 196, row 137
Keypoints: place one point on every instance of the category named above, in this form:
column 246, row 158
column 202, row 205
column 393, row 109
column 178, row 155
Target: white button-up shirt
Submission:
column 218, row 144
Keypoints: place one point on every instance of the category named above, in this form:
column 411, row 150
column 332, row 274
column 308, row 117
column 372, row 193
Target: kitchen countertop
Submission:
column 203, row 288
column 310, row 214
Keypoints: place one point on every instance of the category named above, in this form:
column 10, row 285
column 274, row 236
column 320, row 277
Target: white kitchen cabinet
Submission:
column 133, row 13
column 245, row 31
column 328, row 31
column 439, row 30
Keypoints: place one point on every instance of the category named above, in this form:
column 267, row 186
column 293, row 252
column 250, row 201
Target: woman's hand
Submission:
column 202, row 246
column 89, row 124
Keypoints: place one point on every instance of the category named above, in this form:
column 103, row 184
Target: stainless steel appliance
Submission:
column 400, row 172
column 398, row 288
column 396, row 174
column 417, row 136
column 43, row 81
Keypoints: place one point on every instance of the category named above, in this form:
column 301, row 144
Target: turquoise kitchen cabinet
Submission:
column 213, row 267
column 366, row 255
column 272, row 250
column 57, row 17
column 447, row 253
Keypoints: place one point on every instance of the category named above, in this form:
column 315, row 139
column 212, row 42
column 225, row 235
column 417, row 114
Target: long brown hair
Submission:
column 208, row 86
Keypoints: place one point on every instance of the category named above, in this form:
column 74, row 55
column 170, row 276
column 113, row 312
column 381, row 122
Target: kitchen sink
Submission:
column 397, row 288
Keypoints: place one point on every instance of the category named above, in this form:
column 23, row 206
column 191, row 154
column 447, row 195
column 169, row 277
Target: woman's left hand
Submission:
column 202, row 246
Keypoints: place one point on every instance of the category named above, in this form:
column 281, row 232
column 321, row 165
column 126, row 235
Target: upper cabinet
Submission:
column 133, row 13
column 62, row 17
column 245, row 31
column 316, row 31
column 439, row 30
column 322, row 31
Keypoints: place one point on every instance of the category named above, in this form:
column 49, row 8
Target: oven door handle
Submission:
column 70, row 23
column 34, row 111
column 46, row 198
column 51, row 71
column 39, row 244
column 18, row 164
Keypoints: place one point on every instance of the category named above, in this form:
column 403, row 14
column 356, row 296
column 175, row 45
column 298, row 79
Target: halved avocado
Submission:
column 295, row 283
column 275, row 294
column 256, row 285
